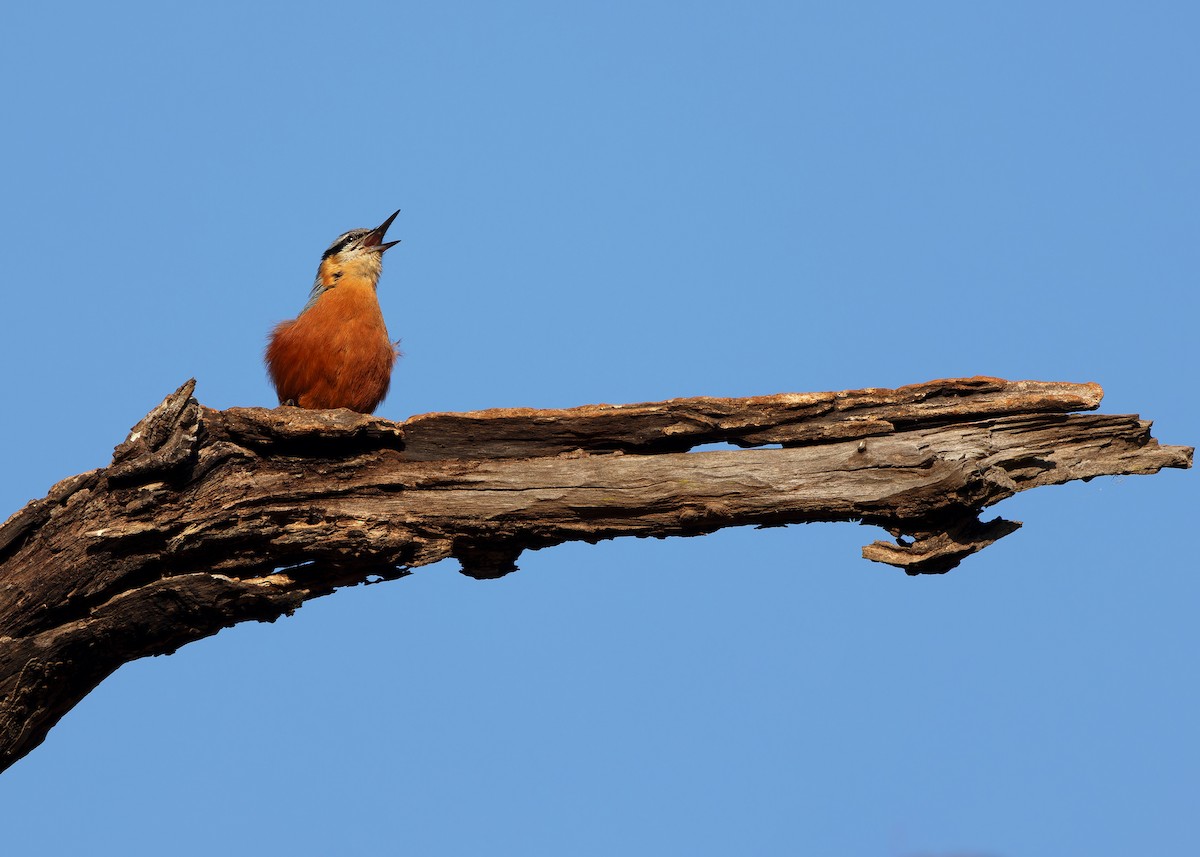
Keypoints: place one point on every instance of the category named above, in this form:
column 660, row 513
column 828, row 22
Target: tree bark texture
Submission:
column 209, row 518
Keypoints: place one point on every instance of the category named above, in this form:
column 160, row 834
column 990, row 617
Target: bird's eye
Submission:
column 344, row 241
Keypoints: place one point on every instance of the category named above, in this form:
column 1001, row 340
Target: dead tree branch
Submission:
column 209, row 518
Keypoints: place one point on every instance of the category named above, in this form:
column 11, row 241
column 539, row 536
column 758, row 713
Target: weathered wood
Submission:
column 208, row 518
column 679, row 424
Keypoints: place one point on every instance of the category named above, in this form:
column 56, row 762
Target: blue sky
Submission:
column 627, row 202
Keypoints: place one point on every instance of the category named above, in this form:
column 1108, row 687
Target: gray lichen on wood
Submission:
column 209, row 518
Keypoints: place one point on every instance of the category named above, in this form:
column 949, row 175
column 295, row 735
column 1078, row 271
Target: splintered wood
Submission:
column 209, row 518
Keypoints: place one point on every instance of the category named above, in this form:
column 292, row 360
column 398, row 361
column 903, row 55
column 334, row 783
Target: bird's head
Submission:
column 357, row 254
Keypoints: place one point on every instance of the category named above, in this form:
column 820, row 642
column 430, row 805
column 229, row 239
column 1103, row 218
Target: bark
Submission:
column 209, row 518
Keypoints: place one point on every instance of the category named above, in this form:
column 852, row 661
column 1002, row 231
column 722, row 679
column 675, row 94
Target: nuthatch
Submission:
column 337, row 353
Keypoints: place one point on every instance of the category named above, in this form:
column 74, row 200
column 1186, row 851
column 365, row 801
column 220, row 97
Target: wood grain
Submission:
column 208, row 518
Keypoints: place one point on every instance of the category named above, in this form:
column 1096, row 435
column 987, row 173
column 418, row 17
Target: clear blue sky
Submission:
column 626, row 202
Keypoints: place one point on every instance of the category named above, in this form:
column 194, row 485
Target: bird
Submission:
column 337, row 353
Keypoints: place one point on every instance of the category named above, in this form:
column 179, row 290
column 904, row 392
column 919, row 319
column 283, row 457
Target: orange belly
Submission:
column 337, row 354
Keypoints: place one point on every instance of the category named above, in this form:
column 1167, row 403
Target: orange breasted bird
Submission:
column 336, row 353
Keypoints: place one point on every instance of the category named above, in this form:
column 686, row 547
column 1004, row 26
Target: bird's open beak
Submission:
column 374, row 238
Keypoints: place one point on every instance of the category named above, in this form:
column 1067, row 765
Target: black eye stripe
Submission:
column 336, row 247
column 340, row 244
